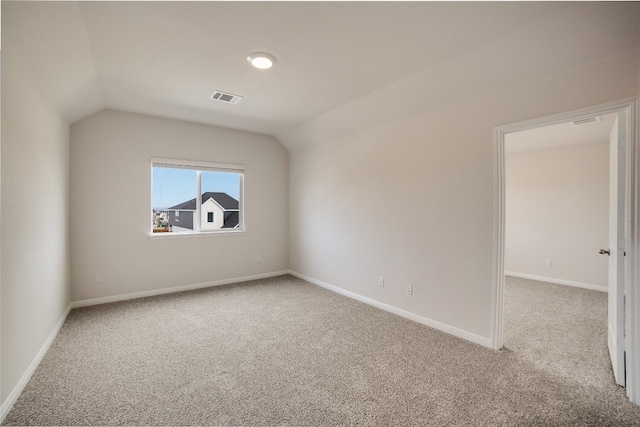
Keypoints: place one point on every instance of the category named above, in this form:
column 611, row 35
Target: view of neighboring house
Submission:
column 218, row 211
column 160, row 219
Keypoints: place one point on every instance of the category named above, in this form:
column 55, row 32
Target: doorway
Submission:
column 628, row 344
column 556, row 220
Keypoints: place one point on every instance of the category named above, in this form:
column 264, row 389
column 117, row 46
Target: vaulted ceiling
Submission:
column 166, row 58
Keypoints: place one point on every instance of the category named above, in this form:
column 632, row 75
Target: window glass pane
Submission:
column 176, row 208
column 224, row 182
column 220, row 197
column 173, row 199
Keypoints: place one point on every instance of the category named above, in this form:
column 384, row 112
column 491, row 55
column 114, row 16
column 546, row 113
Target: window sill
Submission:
column 174, row 235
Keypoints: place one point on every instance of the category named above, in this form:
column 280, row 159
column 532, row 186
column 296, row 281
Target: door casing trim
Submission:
column 629, row 107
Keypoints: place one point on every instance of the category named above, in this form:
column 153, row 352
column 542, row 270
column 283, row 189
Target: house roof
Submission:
column 231, row 219
column 223, row 199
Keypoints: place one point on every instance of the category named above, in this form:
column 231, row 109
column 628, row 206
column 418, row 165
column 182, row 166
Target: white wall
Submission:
column 423, row 149
column 35, row 248
column 557, row 206
column 218, row 216
column 110, row 206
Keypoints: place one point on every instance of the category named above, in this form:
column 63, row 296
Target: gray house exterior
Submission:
column 219, row 211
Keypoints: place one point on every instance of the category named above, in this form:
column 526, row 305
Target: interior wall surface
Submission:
column 111, row 206
column 405, row 189
column 557, row 208
column 35, row 290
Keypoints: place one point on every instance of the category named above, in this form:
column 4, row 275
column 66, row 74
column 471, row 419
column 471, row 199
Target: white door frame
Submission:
column 629, row 107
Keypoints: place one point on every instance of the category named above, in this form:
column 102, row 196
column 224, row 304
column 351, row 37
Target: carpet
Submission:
column 281, row 351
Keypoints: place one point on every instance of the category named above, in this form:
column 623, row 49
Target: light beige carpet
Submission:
column 281, row 351
column 560, row 329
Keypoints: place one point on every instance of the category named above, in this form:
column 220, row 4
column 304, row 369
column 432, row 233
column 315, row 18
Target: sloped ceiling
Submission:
column 166, row 58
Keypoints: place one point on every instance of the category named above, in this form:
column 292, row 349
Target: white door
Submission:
column 616, row 341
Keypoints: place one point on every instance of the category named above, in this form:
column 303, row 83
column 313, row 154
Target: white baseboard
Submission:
column 15, row 393
column 452, row 330
column 558, row 281
column 154, row 292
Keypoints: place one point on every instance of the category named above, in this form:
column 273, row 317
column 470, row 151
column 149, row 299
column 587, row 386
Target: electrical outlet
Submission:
column 408, row 289
column 381, row 281
column 98, row 278
column 548, row 262
column 259, row 259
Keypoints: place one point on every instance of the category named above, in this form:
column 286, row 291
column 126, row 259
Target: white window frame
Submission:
column 199, row 167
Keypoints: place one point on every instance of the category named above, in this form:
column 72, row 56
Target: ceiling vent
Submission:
column 226, row 97
column 585, row 121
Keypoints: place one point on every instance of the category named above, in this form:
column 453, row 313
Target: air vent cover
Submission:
column 227, row 98
column 585, row 121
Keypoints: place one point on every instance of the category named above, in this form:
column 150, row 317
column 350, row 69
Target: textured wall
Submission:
column 557, row 206
column 110, row 170
column 35, row 203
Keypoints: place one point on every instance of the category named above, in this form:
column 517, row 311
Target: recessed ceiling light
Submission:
column 262, row 60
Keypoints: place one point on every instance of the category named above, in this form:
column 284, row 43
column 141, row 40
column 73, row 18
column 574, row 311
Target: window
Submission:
column 196, row 197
